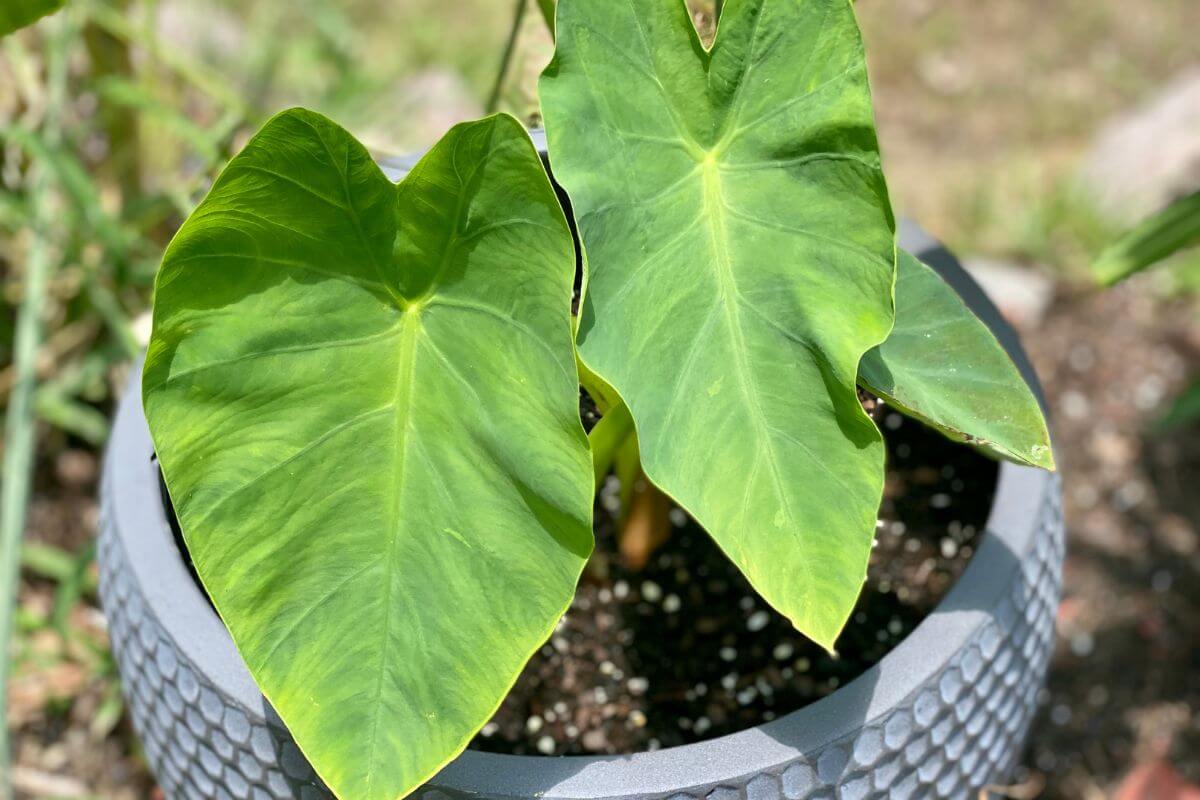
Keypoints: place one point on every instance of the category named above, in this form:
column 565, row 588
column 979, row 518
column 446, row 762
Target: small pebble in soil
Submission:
column 1082, row 644
column 1074, row 405
column 1081, row 358
column 1161, row 581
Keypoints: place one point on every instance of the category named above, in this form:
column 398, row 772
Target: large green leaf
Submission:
column 16, row 14
column 943, row 366
column 742, row 257
column 364, row 400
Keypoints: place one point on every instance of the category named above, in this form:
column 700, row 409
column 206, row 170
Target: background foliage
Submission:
column 986, row 111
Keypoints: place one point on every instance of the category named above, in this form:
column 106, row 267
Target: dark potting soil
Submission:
column 684, row 649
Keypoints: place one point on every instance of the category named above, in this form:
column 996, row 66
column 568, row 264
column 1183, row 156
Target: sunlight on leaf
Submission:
column 365, row 404
column 943, row 366
column 742, row 254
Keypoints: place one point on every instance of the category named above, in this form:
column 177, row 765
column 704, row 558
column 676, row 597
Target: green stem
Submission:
column 510, row 48
column 20, row 420
column 717, row 6
column 610, row 433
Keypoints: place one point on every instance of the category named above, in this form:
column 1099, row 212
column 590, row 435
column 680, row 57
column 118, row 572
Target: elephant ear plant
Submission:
column 364, row 396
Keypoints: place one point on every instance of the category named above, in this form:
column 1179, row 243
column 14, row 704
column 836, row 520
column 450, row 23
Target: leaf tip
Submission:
column 824, row 635
column 1043, row 456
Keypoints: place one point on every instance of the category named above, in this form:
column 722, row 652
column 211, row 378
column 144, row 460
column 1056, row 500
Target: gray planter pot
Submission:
column 943, row 714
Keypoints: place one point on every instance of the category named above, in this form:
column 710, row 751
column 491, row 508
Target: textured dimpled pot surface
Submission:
column 944, row 714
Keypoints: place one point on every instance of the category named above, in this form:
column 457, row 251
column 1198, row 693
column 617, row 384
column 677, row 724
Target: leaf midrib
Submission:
column 406, row 367
column 714, row 206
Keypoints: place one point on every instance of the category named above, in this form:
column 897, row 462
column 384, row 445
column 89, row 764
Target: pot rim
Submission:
column 1011, row 532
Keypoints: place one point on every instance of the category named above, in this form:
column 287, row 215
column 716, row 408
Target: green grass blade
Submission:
column 68, row 414
column 1183, row 411
column 130, row 94
column 1174, row 228
column 19, row 423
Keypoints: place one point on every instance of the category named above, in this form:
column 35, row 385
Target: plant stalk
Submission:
column 510, row 48
column 609, row 435
column 20, row 419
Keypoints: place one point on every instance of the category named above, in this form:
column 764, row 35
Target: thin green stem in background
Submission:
column 510, row 48
column 20, row 419
column 205, row 80
column 1158, row 237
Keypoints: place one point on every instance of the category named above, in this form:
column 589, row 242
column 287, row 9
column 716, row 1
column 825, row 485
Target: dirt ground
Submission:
column 1124, row 688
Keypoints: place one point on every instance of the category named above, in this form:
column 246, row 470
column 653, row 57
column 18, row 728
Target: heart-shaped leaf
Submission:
column 365, row 404
column 742, row 256
column 943, row 366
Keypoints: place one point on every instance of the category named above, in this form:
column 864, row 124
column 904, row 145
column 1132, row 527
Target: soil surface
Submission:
column 685, row 650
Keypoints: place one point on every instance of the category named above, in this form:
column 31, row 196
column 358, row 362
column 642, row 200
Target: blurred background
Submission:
column 1026, row 134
